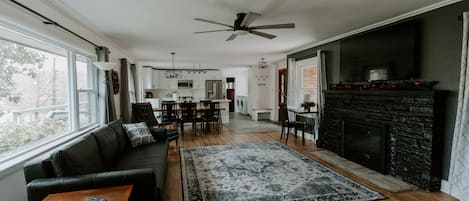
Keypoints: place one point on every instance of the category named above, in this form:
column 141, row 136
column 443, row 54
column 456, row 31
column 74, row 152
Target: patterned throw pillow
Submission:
column 139, row 134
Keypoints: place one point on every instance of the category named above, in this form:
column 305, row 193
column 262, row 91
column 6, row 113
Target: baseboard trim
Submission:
column 445, row 187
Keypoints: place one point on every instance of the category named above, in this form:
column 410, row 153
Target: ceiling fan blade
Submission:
column 198, row 32
column 262, row 34
column 275, row 26
column 212, row 22
column 249, row 18
column 232, row 37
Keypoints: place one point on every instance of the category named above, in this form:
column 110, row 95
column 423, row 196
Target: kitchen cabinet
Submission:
column 199, row 81
column 147, row 78
column 167, row 83
column 163, row 80
column 155, row 79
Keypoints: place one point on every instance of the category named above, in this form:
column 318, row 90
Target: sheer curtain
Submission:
column 322, row 85
column 459, row 171
column 132, row 84
column 291, row 91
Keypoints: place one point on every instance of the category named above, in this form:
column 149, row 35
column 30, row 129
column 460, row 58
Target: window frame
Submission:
column 14, row 161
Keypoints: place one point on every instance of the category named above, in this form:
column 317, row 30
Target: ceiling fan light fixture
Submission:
column 241, row 32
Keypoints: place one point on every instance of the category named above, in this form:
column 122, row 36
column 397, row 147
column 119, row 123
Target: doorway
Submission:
column 282, row 92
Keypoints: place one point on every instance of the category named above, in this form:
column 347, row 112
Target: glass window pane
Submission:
column 33, row 95
column 84, row 78
column 310, row 85
column 86, row 108
column 86, row 91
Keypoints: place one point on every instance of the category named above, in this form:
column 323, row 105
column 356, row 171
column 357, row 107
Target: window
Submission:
column 303, row 82
column 87, row 92
column 310, row 84
column 39, row 92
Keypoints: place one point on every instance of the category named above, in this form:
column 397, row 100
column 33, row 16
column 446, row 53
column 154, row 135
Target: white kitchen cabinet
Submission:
column 173, row 83
column 147, row 78
column 167, row 83
column 156, row 79
column 163, row 80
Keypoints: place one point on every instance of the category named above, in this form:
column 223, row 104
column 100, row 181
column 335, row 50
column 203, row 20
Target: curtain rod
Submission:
column 52, row 22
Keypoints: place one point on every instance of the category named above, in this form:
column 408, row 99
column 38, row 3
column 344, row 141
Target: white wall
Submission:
column 241, row 79
column 12, row 184
column 261, row 88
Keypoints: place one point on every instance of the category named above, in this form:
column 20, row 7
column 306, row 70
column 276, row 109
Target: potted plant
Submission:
column 307, row 105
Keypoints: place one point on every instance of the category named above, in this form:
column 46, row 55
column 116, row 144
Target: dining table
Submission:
column 224, row 112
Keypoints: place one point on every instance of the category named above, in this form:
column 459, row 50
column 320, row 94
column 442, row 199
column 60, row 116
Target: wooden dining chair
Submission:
column 297, row 125
column 169, row 113
column 188, row 115
column 212, row 115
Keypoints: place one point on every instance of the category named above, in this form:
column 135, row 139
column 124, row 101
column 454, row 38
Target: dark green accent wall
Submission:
column 440, row 60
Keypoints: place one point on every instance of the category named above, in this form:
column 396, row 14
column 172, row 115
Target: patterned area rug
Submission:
column 263, row 171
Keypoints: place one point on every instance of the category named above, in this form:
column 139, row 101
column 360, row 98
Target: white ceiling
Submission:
column 151, row 29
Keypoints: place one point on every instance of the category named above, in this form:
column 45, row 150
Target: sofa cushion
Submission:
column 124, row 142
column 108, row 144
column 139, row 134
column 79, row 158
column 147, row 156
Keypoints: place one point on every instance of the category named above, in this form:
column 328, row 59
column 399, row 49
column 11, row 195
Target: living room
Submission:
column 401, row 116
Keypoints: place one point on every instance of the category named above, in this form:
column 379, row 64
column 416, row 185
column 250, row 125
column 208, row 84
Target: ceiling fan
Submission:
column 241, row 26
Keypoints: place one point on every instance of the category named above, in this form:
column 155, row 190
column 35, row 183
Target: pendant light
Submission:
column 172, row 73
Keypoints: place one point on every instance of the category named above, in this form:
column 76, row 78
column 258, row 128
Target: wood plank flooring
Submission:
column 173, row 188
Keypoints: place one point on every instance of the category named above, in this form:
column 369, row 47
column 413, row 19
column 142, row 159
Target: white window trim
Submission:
column 15, row 162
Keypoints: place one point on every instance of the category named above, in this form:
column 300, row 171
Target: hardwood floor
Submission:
column 173, row 189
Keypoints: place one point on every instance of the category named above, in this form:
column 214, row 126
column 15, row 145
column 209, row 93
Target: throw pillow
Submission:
column 138, row 133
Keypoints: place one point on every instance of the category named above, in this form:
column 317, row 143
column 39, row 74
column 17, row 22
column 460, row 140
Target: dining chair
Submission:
column 188, row 115
column 297, row 125
column 169, row 112
column 212, row 115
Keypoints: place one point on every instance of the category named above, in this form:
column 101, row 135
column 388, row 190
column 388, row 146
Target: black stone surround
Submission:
column 412, row 124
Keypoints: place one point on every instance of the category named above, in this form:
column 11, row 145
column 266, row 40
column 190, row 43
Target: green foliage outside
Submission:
column 16, row 60
column 16, row 135
column 20, row 60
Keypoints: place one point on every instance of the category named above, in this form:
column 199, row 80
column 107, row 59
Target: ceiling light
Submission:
column 240, row 32
column 263, row 63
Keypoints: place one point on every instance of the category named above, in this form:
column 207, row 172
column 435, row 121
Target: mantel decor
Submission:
column 385, row 85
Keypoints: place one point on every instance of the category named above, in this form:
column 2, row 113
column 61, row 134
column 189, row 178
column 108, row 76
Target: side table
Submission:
column 116, row 193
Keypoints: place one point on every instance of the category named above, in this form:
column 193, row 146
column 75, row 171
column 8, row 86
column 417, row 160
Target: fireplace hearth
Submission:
column 397, row 133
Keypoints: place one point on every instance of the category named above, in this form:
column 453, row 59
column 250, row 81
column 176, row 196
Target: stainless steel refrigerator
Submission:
column 213, row 89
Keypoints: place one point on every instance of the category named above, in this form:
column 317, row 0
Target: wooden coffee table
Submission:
column 116, row 193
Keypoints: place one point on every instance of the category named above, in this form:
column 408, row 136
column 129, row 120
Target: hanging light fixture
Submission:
column 263, row 63
column 172, row 73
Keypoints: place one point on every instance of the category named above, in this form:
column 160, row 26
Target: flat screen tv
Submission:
column 386, row 54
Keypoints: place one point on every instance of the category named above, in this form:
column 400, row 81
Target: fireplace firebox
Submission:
column 365, row 143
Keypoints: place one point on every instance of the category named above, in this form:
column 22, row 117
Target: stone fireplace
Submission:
column 397, row 133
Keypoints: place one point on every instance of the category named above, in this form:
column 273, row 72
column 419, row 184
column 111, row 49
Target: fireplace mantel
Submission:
column 412, row 125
